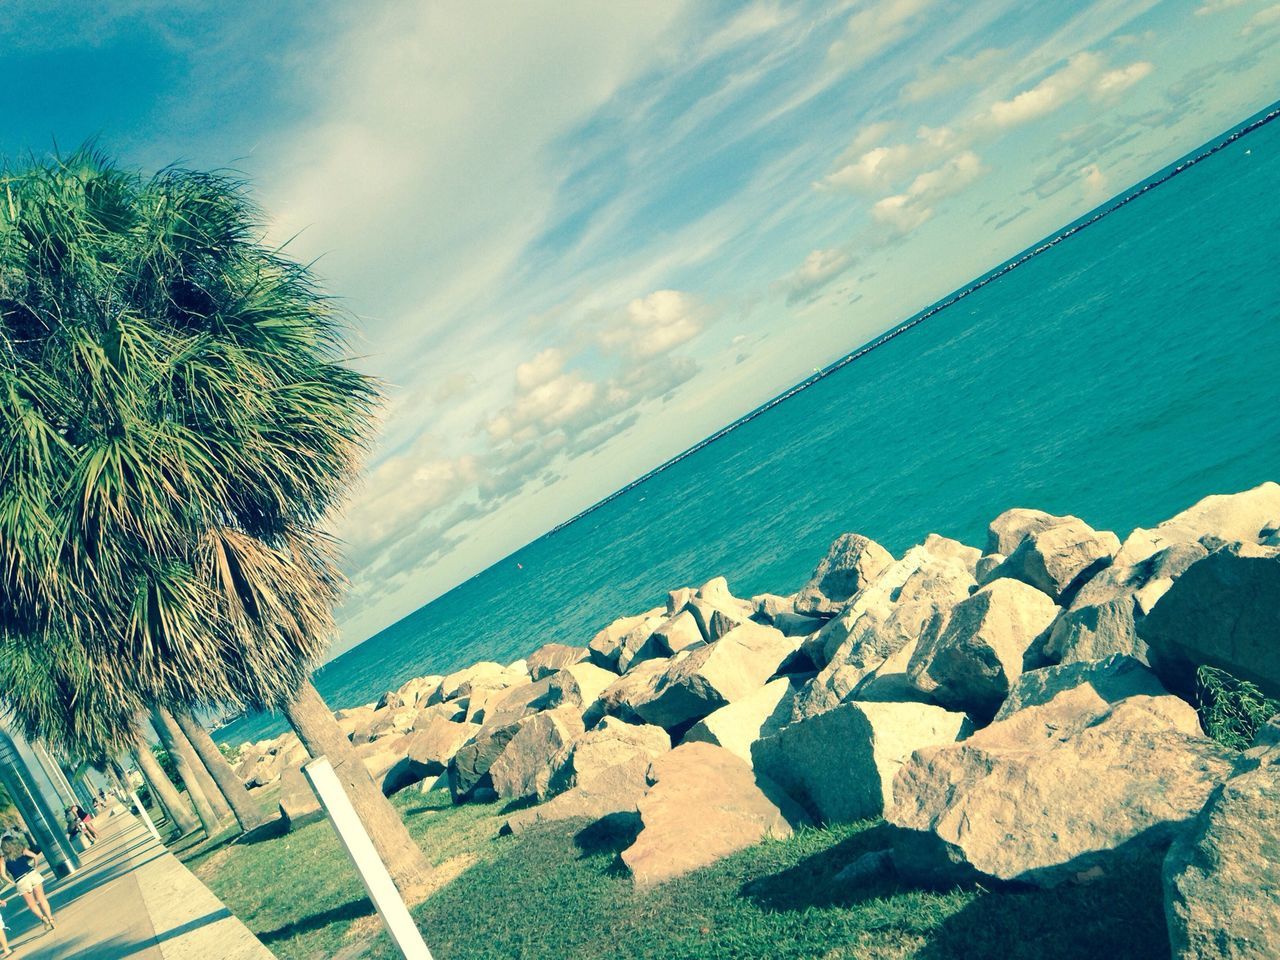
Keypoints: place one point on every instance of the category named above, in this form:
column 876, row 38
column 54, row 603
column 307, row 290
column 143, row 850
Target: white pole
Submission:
column 146, row 817
column 373, row 872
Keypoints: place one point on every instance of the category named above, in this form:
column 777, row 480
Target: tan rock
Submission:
column 840, row 765
column 298, row 803
column 968, row 660
column 1240, row 516
column 1222, row 898
column 590, row 755
column 697, row 683
column 851, row 563
column 1056, row 792
column 516, row 771
column 1059, row 557
column 550, row 657
column 737, row 725
column 704, row 804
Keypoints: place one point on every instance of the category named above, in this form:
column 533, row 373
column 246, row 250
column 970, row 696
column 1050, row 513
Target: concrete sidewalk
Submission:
column 131, row 899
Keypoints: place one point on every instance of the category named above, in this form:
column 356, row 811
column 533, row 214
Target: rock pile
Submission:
column 1017, row 714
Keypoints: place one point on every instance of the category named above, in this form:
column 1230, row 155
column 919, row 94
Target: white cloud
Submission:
column 880, row 168
column 1262, row 20
column 820, row 267
column 1115, row 81
column 951, row 74
column 653, row 325
column 1094, row 182
column 1216, row 6
column 905, row 212
column 1049, row 94
column 875, row 27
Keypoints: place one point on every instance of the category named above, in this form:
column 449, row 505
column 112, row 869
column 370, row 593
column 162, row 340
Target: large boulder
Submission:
column 579, row 684
column 737, row 725
column 469, row 768
column 432, row 745
column 1103, row 617
column 1108, row 681
column 704, row 804
column 886, row 617
column 1057, row 792
column 601, row 774
column 1008, row 530
column 619, row 699
column 1222, row 890
column 968, row 659
column 298, row 803
column 550, row 657
column 697, row 683
column 1224, row 612
column 840, row 765
column 459, row 683
column 515, row 773
column 507, row 705
column 677, row 633
column 1059, row 557
column 852, row 562
column 626, row 641
column 587, row 757
column 1232, row 517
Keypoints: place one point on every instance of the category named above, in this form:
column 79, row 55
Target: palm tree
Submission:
column 176, row 425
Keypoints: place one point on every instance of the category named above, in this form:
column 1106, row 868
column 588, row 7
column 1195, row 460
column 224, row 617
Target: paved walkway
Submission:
column 134, row 899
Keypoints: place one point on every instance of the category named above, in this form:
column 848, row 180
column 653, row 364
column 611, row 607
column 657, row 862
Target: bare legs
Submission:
column 38, row 903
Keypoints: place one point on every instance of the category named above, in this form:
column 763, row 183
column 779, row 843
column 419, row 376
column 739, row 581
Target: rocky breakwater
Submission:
column 1020, row 713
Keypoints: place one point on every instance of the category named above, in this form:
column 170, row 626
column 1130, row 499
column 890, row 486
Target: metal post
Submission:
column 373, row 872
column 146, row 817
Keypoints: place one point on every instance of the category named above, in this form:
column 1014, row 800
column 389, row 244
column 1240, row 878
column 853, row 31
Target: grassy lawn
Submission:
column 557, row 891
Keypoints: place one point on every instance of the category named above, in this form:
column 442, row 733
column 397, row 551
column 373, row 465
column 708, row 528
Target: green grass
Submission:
column 557, row 892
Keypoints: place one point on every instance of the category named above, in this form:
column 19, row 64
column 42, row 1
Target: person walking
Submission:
column 20, row 868
column 5, row 949
column 82, row 820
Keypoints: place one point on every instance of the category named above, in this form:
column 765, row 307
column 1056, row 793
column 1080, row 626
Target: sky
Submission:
column 577, row 237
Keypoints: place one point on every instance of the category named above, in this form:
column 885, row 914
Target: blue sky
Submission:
column 580, row 236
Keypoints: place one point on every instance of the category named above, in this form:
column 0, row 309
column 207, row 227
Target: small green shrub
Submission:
column 1231, row 710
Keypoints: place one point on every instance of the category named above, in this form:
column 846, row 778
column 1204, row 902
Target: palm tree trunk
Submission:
column 321, row 735
column 163, row 791
column 169, row 734
column 246, row 810
column 212, row 789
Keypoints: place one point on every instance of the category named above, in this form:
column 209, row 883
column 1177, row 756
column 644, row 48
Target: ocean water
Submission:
column 1118, row 375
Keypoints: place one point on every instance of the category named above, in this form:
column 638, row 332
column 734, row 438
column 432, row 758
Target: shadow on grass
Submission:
column 608, row 837
column 271, row 830
column 810, row 883
column 347, row 913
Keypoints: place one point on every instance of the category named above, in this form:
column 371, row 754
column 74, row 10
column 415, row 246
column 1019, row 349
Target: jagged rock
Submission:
column 1103, row 618
column 620, row 698
column 457, row 684
column 612, row 795
column 840, row 765
column 1224, row 612
column 1057, row 557
column 607, row 645
column 969, row 662
column 550, row 657
column 1110, row 681
column 851, row 563
column 589, row 756
column 703, row 804
column 697, row 683
column 888, row 616
column 767, row 606
column 469, row 767
column 506, row 706
column 713, row 622
column 795, row 624
column 716, row 592
column 889, row 682
column 417, row 691
column 1056, row 792
column 388, row 722
column 676, row 599
column 384, row 755
column 450, row 710
column 678, row 633
column 391, row 699
column 985, row 569
column 1007, row 531
column 298, row 803
column 738, row 725
column 266, row 765
column 1222, row 898
column 515, row 772
column 1228, row 517
column 353, row 720
column 579, row 685
column 434, row 744
column 1266, row 744
column 639, row 645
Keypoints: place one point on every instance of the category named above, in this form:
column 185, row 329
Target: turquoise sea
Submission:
column 1120, row 375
